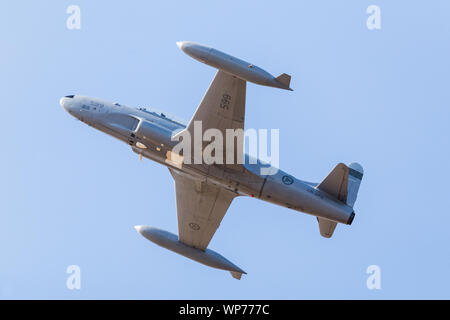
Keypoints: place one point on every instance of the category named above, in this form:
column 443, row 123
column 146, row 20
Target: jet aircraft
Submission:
column 205, row 191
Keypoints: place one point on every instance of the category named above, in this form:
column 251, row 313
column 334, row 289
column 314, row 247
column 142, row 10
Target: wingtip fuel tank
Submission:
column 207, row 257
column 235, row 66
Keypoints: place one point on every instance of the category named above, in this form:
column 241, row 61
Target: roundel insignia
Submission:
column 287, row 180
column 194, row 226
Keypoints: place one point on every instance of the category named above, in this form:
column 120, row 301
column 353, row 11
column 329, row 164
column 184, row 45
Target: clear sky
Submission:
column 70, row 195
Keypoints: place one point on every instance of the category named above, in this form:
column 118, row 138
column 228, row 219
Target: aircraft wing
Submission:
column 200, row 209
column 222, row 107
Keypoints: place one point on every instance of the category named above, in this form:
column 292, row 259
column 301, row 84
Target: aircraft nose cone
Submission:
column 63, row 102
column 66, row 102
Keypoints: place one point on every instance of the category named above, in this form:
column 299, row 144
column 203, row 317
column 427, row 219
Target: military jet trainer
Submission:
column 205, row 191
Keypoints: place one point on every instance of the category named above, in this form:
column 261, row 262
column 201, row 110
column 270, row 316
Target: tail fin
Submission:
column 335, row 184
column 285, row 80
column 343, row 184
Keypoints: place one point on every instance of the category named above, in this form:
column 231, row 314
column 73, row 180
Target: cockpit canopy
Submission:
column 124, row 121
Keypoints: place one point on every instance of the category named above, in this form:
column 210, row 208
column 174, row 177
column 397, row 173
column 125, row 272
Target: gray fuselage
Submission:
column 149, row 134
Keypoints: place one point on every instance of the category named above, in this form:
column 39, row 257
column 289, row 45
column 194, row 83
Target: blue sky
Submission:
column 70, row 195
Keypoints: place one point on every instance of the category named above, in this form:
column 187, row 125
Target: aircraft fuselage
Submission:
column 149, row 135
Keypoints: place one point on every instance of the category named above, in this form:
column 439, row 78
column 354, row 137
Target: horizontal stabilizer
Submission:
column 355, row 175
column 342, row 184
column 326, row 227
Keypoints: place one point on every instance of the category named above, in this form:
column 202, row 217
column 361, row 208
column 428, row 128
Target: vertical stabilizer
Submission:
column 335, row 184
